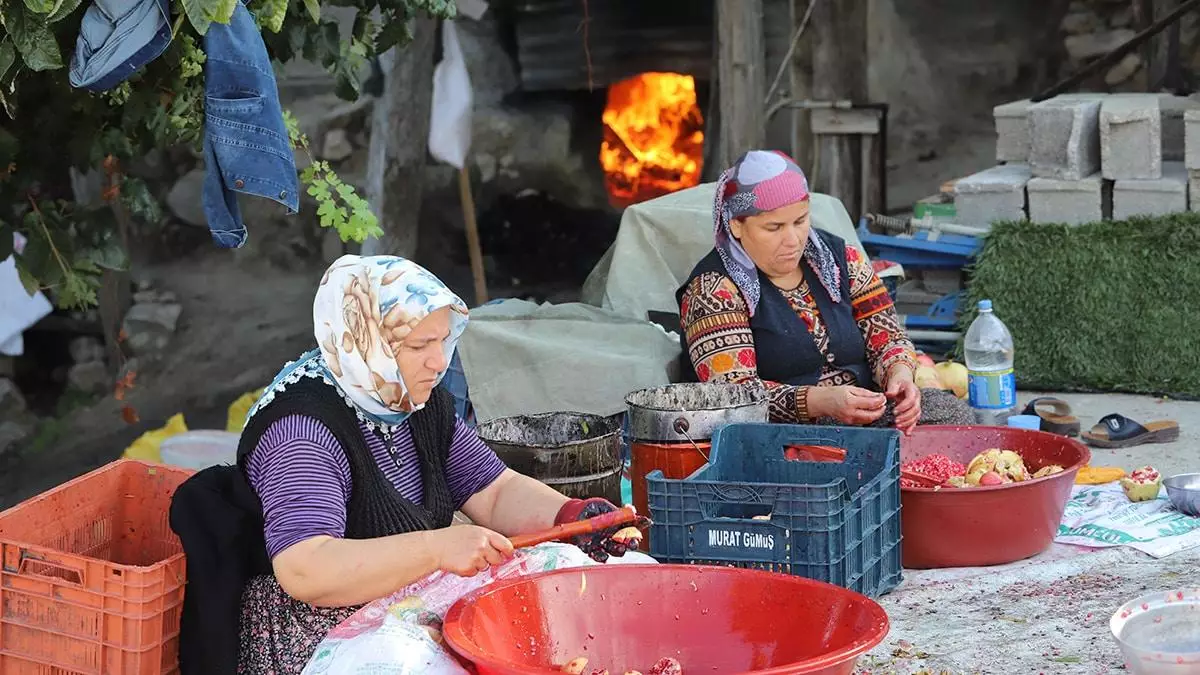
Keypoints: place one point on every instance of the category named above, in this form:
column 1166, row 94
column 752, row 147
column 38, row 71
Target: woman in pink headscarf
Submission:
column 795, row 307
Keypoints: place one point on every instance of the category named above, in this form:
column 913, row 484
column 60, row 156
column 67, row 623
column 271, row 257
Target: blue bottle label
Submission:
column 992, row 390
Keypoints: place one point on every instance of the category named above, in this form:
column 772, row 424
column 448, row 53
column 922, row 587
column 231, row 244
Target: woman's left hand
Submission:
column 905, row 397
column 599, row 545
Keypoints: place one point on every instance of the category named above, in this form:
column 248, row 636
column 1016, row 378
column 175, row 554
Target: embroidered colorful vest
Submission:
column 786, row 351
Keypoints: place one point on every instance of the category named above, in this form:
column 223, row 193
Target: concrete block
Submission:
column 1193, row 199
column 1131, row 138
column 1073, row 202
column 1191, row 133
column 1168, row 194
column 1065, row 137
column 1173, row 109
column 1012, row 131
column 992, row 195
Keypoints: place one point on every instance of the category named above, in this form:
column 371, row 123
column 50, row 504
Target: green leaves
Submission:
column 63, row 9
column 314, row 9
column 338, row 206
column 31, row 34
column 271, row 13
column 162, row 106
column 202, row 13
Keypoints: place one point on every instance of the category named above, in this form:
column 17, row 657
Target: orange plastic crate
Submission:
column 92, row 577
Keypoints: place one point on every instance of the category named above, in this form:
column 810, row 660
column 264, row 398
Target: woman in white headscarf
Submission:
column 360, row 462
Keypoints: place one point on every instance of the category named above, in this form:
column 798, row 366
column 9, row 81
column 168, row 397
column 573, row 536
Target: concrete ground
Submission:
column 1168, row 458
column 1048, row 614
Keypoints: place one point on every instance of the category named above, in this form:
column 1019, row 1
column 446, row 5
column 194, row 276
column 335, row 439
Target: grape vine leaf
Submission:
column 8, row 56
column 202, row 13
column 63, row 10
column 314, row 9
column 34, row 40
column 40, row 6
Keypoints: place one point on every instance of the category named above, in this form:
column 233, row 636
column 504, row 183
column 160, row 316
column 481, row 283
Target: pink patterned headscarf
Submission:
column 761, row 181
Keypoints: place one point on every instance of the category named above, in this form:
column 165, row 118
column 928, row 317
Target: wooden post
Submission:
column 840, row 73
column 741, row 56
column 399, row 142
column 474, row 248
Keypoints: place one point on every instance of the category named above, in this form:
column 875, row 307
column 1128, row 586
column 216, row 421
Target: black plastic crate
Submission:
column 751, row 506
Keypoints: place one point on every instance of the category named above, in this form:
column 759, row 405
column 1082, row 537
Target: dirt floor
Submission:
column 241, row 321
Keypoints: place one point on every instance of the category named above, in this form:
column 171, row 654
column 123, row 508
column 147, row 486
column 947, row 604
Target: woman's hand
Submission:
column 905, row 397
column 467, row 550
column 848, row 405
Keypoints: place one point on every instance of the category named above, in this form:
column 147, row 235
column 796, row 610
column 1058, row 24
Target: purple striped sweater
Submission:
column 303, row 478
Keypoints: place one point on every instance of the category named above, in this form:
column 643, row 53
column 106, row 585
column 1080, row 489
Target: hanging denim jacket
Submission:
column 116, row 38
column 246, row 146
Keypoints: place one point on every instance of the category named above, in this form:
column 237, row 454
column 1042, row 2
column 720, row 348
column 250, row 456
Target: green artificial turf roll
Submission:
column 1107, row 306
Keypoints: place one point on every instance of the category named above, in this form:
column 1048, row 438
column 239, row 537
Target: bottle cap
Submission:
column 985, row 305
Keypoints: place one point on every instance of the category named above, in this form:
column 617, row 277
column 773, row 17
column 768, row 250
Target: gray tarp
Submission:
column 523, row 358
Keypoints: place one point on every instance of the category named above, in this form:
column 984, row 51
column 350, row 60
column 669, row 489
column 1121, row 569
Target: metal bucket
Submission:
column 684, row 413
column 577, row 454
column 670, row 427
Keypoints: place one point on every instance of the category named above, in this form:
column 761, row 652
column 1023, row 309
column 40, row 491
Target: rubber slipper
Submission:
column 1118, row 431
column 1055, row 414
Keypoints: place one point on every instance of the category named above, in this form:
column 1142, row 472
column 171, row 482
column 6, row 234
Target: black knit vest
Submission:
column 376, row 508
column 785, row 349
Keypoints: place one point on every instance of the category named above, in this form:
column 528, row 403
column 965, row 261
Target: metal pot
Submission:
column 689, row 412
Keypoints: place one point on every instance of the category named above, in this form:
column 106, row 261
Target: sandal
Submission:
column 1118, row 431
column 1055, row 414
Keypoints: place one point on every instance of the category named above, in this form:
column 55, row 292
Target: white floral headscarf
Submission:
column 364, row 308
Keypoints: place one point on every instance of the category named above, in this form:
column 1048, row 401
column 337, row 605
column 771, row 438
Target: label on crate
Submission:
column 740, row 540
column 992, row 389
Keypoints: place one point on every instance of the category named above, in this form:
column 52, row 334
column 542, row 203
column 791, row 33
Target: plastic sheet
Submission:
column 401, row 633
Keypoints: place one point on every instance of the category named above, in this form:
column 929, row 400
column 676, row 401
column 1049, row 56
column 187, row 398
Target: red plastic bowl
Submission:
column 717, row 620
column 974, row 527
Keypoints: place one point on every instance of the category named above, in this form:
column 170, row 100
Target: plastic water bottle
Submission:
column 992, row 389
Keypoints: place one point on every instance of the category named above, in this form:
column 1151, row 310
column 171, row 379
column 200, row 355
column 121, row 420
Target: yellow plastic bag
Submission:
column 1098, row 475
column 239, row 409
column 146, row 448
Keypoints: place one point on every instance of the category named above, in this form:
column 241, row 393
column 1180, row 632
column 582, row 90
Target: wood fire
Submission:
column 653, row 137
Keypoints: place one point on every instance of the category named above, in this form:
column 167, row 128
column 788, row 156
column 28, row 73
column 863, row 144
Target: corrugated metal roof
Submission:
column 625, row 37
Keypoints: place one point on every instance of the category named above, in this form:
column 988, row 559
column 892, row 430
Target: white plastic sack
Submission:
column 401, row 634
column 1099, row 516
column 450, row 123
column 18, row 309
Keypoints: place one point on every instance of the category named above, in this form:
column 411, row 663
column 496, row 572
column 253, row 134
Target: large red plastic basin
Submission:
column 717, row 620
column 972, row 527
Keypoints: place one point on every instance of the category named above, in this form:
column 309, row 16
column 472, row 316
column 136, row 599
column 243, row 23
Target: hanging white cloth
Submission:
column 450, row 122
column 18, row 309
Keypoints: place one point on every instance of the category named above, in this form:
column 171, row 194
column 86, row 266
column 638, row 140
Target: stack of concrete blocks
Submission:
column 1131, row 139
column 993, row 195
column 1089, row 157
column 1064, row 149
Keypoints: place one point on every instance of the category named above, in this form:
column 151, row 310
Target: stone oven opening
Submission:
column 653, row 137
column 607, row 108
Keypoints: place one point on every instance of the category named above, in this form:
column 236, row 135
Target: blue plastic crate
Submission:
column 751, row 506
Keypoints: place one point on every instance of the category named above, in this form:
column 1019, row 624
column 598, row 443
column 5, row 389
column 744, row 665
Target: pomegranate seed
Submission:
column 936, row 466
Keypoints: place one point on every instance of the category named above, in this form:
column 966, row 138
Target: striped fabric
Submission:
column 303, row 478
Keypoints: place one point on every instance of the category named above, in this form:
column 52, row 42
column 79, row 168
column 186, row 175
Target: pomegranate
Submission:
column 667, row 666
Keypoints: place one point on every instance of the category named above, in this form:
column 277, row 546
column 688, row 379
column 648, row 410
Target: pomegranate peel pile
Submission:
column 988, row 468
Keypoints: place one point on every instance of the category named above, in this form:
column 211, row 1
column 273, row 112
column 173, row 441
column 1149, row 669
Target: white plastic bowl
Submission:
column 200, row 449
column 1159, row 633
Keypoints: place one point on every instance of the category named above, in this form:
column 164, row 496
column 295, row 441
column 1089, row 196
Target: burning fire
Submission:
column 653, row 137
